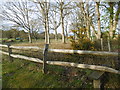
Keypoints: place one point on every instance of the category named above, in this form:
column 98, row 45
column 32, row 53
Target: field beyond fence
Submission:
column 46, row 61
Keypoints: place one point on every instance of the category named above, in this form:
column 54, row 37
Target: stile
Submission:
column 96, row 77
column 45, row 51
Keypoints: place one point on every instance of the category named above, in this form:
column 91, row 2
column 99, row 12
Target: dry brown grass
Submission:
column 54, row 44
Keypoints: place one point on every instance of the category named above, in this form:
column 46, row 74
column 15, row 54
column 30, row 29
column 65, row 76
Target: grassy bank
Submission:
column 25, row 74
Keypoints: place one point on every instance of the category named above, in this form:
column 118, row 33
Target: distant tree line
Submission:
column 14, row 33
column 94, row 17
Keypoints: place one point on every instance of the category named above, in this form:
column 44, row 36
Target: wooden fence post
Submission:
column 10, row 52
column 97, row 83
column 45, row 58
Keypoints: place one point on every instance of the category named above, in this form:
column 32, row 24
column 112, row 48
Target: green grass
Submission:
column 76, row 58
column 25, row 74
column 0, row 74
column 0, row 69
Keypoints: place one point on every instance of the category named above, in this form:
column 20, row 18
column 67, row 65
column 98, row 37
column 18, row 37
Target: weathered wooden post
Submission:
column 10, row 52
column 97, row 83
column 45, row 51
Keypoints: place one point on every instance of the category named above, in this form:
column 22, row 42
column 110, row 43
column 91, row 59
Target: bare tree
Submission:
column 54, row 19
column 19, row 13
column 95, row 19
column 43, row 7
column 62, row 6
column 36, row 27
column 98, row 20
column 66, row 28
column 84, row 7
column 113, row 17
column 82, row 16
column 113, row 9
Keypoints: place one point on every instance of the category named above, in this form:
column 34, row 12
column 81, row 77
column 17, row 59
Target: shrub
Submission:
column 80, row 41
column 97, row 45
column 84, row 44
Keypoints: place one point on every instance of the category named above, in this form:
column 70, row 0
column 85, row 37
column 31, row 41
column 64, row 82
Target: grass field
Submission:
column 40, row 43
column 0, row 75
column 58, row 44
column 26, row 74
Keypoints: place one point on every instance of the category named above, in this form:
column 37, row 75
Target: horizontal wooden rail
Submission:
column 23, row 57
column 83, row 52
column 21, row 47
column 65, row 50
column 3, row 45
column 69, row 64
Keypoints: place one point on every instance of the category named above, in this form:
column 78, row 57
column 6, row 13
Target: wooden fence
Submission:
column 64, row 50
column 100, row 69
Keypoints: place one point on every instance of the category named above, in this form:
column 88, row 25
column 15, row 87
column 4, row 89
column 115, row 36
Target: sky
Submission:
column 8, row 24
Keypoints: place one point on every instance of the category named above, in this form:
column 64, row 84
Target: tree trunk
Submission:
column 88, row 29
column 111, row 28
column 62, row 22
column 63, row 33
column 56, row 37
column 117, row 15
column 48, row 36
column 29, row 37
column 66, row 32
column 45, row 10
column 94, row 32
column 88, row 21
column 111, row 19
column 99, row 24
column 101, row 43
column 45, row 33
column 109, row 47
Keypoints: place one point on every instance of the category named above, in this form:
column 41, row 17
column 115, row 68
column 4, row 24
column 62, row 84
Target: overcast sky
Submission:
column 10, row 23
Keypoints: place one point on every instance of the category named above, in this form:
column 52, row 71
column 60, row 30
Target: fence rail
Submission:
column 70, row 64
column 100, row 69
column 64, row 50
